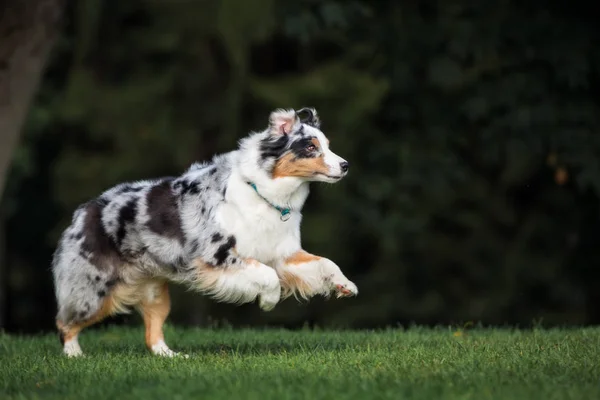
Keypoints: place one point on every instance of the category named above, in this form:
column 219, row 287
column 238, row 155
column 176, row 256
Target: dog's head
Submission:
column 296, row 147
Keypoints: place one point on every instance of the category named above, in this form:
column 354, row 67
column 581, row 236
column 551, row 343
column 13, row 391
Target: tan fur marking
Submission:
column 292, row 284
column 301, row 257
column 208, row 276
column 124, row 296
column 288, row 165
column 316, row 142
column 155, row 312
column 70, row 331
column 119, row 300
column 252, row 262
column 220, row 283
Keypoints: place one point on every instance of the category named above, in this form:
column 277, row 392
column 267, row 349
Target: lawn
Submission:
column 277, row 364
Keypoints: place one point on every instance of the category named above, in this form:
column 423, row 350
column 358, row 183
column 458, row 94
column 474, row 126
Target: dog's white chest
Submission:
column 259, row 231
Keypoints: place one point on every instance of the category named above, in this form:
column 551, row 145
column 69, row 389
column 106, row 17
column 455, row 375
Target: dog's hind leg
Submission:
column 238, row 281
column 69, row 329
column 155, row 307
column 83, row 297
column 85, row 268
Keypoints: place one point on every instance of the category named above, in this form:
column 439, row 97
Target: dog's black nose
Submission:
column 344, row 166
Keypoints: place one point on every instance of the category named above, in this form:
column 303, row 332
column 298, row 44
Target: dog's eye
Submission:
column 311, row 147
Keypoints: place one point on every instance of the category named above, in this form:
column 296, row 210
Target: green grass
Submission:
column 273, row 364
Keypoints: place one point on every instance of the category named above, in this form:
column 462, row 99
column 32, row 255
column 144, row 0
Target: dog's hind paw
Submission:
column 71, row 349
column 161, row 349
column 74, row 354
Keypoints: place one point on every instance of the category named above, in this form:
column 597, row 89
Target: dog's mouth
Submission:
column 334, row 178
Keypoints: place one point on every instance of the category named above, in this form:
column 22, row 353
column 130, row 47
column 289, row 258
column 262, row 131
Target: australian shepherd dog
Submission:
column 228, row 228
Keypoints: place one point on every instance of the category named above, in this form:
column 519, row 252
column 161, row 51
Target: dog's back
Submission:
column 148, row 228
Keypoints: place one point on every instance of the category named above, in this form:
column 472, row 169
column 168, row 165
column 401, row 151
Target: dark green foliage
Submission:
column 472, row 130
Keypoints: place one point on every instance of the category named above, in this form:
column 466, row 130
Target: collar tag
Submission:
column 285, row 215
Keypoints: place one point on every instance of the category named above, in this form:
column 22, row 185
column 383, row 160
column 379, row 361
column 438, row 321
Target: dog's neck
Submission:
column 288, row 193
column 284, row 192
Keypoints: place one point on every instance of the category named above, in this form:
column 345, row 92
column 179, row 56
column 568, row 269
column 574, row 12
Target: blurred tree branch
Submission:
column 28, row 29
column 27, row 33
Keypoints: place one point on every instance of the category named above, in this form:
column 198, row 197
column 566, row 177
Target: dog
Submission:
column 228, row 228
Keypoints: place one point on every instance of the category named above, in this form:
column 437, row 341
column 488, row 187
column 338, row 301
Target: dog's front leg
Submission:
column 306, row 275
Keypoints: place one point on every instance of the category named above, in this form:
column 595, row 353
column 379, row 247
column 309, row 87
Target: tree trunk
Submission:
column 28, row 29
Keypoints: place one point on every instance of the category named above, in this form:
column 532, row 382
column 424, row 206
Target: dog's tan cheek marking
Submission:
column 284, row 167
column 288, row 165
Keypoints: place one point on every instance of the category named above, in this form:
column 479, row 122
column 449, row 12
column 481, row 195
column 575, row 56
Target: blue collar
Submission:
column 285, row 212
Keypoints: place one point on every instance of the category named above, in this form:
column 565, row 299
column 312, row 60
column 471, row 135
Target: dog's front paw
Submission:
column 267, row 301
column 347, row 289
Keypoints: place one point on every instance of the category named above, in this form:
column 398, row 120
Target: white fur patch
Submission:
column 315, row 278
column 338, row 281
column 72, row 348
column 241, row 284
column 161, row 349
column 304, row 280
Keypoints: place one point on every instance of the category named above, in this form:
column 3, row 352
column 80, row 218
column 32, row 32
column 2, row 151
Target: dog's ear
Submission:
column 281, row 122
column 308, row 116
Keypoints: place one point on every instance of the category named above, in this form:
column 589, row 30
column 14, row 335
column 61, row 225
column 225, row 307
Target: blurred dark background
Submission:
column 472, row 128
